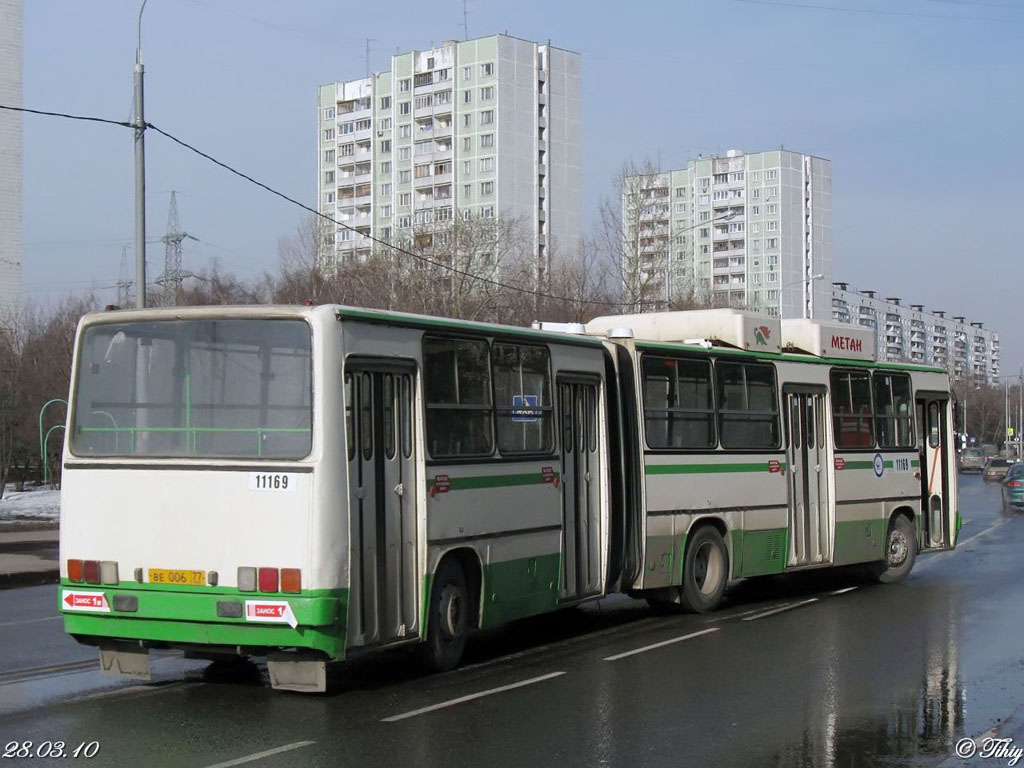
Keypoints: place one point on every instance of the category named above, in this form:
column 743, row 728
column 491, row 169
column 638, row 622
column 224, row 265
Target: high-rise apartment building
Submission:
column 481, row 129
column 747, row 230
column 10, row 157
column 910, row 334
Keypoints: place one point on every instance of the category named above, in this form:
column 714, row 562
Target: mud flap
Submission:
column 293, row 675
column 132, row 662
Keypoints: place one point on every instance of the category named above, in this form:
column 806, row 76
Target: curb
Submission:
column 28, row 578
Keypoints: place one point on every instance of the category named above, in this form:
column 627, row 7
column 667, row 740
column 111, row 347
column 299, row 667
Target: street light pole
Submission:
column 140, row 172
column 804, row 282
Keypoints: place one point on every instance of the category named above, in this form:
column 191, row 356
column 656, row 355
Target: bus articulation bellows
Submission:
column 300, row 483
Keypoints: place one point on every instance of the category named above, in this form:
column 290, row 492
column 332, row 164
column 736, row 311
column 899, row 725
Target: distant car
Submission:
column 1013, row 489
column 996, row 469
column 972, row 460
column 990, row 450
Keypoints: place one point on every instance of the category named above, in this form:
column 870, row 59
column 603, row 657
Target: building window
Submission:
column 403, row 153
column 385, row 210
column 423, row 147
column 486, row 70
column 385, row 102
column 404, row 131
column 347, row 150
column 771, row 242
column 705, row 215
column 404, row 222
column 772, row 208
column 385, row 146
column 329, row 198
column 405, row 199
column 769, row 175
column 467, row 96
column 467, row 120
column 404, row 177
column 364, row 125
column 329, row 156
column 705, row 232
column 467, row 167
column 385, row 124
column 467, row 143
column 329, row 177
column 403, row 107
column 771, row 226
column 328, row 134
column 346, row 128
column 487, row 212
column 703, row 200
column 443, row 97
column 329, row 113
column 487, row 141
column 467, row 190
column 487, row 93
column 403, row 85
column 487, row 117
column 486, row 164
column 755, row 210
column 755, row 175
column 424, row 101
column 443, row 74
column 487, row 188
column 385, row 190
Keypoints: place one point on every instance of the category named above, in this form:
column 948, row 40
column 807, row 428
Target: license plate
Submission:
column 180, row 578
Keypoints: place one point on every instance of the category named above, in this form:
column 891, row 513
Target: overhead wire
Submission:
column 266, row 187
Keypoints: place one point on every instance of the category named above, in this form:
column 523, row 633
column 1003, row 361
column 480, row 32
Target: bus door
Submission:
column 810, row 522
column 382, row 502
column 581, row 488
column 934, row 444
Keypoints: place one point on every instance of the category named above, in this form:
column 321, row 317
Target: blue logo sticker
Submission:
column 879, row 465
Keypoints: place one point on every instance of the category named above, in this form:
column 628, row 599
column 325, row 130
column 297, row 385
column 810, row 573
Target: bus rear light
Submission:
column 138, row 575
column 268, row 579
column 246, row 579
column 108, row 572
column 74, row 570
column 91, row 569
column 212, row 578
column 291, row 580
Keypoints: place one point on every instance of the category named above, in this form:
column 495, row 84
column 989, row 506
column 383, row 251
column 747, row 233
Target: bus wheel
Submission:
column 900, row 552
column 705, row 571
column 448, row 619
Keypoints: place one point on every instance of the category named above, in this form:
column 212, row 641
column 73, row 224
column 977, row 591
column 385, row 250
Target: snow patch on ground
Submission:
column 31, row 504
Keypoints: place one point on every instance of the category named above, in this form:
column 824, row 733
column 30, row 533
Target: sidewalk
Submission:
column 28, row 554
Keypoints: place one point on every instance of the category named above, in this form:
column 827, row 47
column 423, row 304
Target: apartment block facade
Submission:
column 480, row 129
column 748, row 230
column 10, row 157
column 910, row 334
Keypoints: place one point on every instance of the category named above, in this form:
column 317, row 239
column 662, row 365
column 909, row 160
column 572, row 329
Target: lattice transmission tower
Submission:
column 173, row 274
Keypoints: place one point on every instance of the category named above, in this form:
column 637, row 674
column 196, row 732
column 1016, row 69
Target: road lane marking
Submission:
column 663, row 643
column 470, row 697
column 772, row 612
column 260, row 755
column 940, row 556
column 842, row 591
column 29, row 621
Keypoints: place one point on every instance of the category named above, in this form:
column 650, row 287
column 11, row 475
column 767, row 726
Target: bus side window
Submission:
column 933, row 425
column 366, row 414
column 406, row 415
column 389, row 416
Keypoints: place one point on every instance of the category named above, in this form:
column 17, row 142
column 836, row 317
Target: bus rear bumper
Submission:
column 217, row 622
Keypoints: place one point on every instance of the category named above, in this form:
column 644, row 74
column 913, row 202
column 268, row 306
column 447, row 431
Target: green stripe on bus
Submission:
column 707, row 469
column 493, row 481
column 871, row 464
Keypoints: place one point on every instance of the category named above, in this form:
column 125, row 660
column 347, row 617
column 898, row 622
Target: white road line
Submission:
column 842, row 591
column 470, row 697
column 28, row 621
column 757, row 616
column 940, row 556
column 663, row 643
column 260, row 755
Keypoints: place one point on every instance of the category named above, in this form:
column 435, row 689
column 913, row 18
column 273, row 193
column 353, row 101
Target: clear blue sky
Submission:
column 917, row 103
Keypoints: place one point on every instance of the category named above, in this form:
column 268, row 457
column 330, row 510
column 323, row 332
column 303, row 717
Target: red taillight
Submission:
column 291, row 580
column 91, row 569
column 74, row 570
column 1014, row 484
column 267, row 579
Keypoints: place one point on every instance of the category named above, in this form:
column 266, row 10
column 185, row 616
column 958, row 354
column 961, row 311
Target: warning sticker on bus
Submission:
column 273, row 611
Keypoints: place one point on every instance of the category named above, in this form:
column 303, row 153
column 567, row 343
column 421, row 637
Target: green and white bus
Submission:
column 304, row 483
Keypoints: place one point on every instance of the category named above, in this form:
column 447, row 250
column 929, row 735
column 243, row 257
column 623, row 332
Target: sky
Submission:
column 917, row 103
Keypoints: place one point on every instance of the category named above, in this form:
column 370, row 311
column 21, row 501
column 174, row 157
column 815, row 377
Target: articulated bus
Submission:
column 306, row 483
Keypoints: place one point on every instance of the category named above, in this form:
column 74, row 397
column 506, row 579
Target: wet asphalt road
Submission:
column 847, row 674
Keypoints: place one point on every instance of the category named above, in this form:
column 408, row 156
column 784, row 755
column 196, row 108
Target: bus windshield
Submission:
column 175, row 388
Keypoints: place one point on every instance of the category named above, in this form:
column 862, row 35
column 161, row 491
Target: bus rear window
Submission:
column 223, row 388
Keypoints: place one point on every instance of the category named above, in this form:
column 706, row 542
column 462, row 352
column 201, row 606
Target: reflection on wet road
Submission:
column 816, row 669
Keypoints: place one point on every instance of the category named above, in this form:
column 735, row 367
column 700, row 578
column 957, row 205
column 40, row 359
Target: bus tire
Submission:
column 705, row 571
column 900, row 552
column 447, row 620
